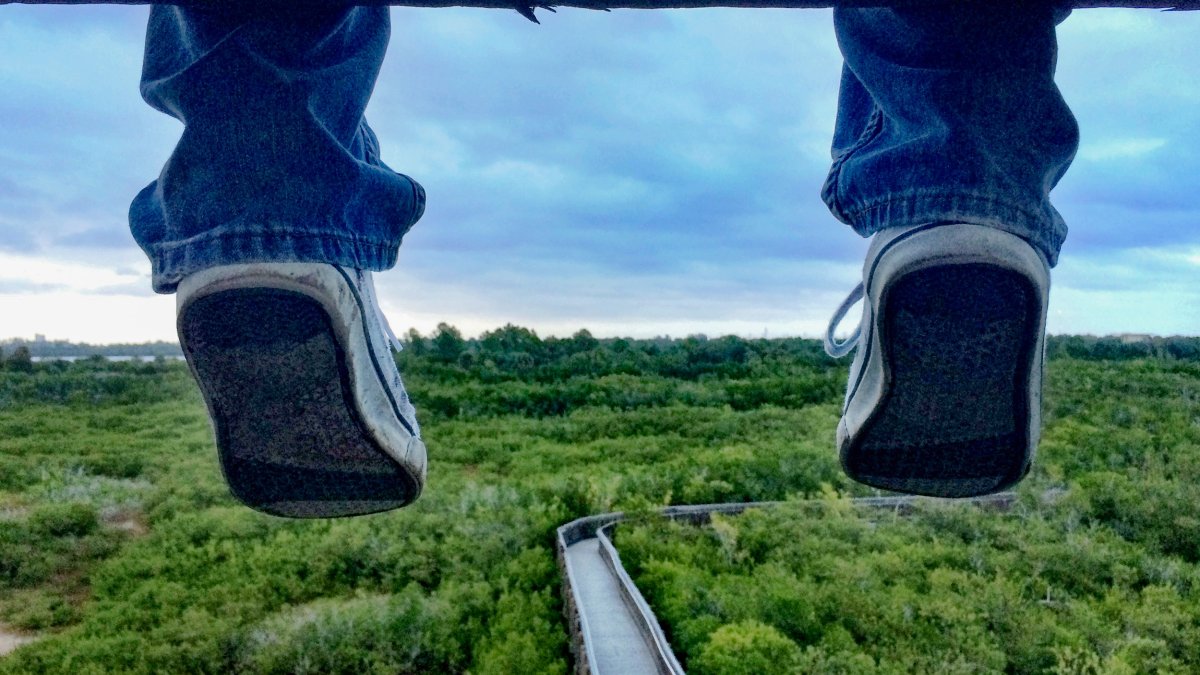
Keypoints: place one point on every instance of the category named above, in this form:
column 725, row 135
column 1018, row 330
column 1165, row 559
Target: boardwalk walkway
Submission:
column 613, row 630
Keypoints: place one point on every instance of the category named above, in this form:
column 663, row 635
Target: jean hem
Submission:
column 170, row 263
column 829, row 192
column 1045, row 232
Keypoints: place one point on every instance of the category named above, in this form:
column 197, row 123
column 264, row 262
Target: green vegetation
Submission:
column 119, row 541
column 1102, row 579
column 169, row 575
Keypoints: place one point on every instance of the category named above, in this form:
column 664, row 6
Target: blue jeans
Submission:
column 946, row 114
column 276, row 162
column 951, row 114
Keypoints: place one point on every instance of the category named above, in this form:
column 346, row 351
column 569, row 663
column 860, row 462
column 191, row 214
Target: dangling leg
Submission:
column 950, row 135
column 265, row 221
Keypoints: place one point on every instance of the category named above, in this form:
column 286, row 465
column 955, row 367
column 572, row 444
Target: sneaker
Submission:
column 310, row 416
column 944, row 394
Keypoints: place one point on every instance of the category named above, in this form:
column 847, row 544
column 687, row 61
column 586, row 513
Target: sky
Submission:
column 635, row 173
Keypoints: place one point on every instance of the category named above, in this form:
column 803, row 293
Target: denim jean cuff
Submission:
column 1044, row 231
column 171, row 263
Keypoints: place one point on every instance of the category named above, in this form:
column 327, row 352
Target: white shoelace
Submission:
column 839, row 349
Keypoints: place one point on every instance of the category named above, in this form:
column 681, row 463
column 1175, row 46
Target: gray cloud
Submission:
column 77, row 142
column 615, row 167
column 15, row 287
column 617, row 140
column 108, row 19
column 1131, row 78
column 113, row 236
column 140, row 288
column 14, row 237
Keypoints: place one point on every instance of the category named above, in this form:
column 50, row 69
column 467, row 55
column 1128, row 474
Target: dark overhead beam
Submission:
column 611, row 4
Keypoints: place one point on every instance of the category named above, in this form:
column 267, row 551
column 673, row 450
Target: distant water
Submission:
column 38, row 359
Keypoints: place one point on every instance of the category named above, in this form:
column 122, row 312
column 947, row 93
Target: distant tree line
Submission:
column 517, row 353
column 1122, row 347
column 513, row 352
column 63, row 348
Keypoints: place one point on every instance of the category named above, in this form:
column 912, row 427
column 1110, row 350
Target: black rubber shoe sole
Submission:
column 276, row 381
column 954, row 420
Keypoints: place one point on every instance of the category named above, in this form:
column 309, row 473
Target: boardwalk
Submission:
column 611, row 628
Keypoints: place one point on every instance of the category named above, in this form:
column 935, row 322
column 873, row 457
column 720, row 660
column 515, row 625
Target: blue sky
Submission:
column 634, row 172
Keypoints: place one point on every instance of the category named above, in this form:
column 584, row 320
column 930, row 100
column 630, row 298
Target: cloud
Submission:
column 635, row 172
column 77, row 141
column 97, row 319
column 1130, row 77
column 1119, row 148
column 110, row 236
column 139, row 288
column 1138, row 289
column 60, row 274
column 20, row 287
column 630, row 142
column 14, row 236
column 704, row 298
column 65, row 19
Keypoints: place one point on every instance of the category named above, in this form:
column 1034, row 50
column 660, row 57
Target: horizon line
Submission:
column 665, row 336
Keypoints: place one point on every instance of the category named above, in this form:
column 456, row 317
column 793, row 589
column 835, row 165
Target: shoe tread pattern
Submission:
column 289, row 437
column 953, row 421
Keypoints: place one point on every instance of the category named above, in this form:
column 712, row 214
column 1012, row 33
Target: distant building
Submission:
column 39, row 339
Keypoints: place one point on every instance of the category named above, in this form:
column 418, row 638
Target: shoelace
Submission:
column 839, row 349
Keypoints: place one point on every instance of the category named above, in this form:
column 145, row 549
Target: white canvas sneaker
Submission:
column 944, row 395
column 294, row 361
